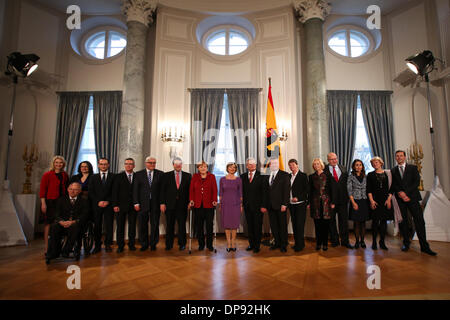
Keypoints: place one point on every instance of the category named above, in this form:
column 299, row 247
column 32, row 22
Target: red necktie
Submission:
column 178, row 180
column 335, row 174
column 251, row 177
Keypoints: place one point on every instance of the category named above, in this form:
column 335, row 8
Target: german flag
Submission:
column 273, row 148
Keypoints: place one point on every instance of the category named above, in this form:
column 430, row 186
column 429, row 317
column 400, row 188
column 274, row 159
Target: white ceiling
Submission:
column 108, row 7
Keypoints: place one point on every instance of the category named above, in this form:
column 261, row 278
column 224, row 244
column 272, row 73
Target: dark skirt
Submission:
column 382, row 212
column 49, row 216
column 363, row 211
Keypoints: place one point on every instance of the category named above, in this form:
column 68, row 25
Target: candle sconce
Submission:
column 29, row 160
column 283, row 134
column 172, row 134
column 415, row 154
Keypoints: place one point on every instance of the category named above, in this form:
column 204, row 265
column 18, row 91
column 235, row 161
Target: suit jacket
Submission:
column 142, row 190
column 209, row 193
column 170, row 195
column 340, row 188
column 277, row 194
column 299, row 188
column 99, row 191
column 252, row 192
column 123, row 191
column 65, row 211
column 409, row 184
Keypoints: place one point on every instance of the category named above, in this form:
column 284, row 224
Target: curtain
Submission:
column 107, row 110
column 377, row 114
column 243, row 106
column 342, row 106
column 206, row 114
column 71, row 120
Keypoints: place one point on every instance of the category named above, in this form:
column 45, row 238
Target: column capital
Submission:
column 140, row 10
column 308, row 9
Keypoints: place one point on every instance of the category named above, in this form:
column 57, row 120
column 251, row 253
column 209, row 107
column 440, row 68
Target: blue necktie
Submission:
column 150, row 181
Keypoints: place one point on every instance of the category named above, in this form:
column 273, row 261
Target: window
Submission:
column 87, row 146
column 224, row 149
column 349, row 42
column 104, row 44
column 227, row 41
column 362, row 147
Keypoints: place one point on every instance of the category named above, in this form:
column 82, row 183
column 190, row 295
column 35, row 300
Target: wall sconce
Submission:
column 283, row 134
column 172, row 134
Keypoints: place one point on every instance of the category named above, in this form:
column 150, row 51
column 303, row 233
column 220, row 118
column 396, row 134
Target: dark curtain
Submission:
column 206, row 114
column 243, row 106
column 342, row 106
column 71, row 120
column 377, row 114
column 107, row 110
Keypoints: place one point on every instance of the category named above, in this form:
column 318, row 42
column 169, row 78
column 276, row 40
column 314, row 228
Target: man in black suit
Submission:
column 339, row 177
column 405, row 185
column 252, row 189
column 297, row 203
column 276, row 199
column 146, row 189
column 174, row 201
column 70, row 216
column 123, row 205
column 100, row 194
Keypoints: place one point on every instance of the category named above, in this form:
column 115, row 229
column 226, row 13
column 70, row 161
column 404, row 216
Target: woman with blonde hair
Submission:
column 53, row 185
column 380, row 201
column 230, row 196
column 321, row 202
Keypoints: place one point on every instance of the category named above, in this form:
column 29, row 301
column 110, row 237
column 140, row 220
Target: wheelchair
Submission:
column 85, row 240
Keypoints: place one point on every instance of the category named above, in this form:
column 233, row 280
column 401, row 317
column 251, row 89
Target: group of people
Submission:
column 332, row 195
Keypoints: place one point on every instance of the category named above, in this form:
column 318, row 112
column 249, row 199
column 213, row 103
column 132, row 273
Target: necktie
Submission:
column 335, row 174
column 72, row 201
column 103, row 178
column 251, row 177
column 272, row 178
column 401, row 171
column 150, row 181
column 129, row 178
column 178, row 180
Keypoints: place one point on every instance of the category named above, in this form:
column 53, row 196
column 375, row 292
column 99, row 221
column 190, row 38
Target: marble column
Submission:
column 312, row 13
column 139, row 15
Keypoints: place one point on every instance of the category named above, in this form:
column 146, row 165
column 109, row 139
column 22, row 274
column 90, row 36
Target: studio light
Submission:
column 421, row 63
column 21, row 64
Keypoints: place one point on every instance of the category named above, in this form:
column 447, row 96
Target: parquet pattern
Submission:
column 338, row 273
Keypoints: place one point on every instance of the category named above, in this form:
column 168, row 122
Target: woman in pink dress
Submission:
column 230, row 195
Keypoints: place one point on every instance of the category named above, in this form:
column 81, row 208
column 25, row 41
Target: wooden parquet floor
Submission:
column 338, row 273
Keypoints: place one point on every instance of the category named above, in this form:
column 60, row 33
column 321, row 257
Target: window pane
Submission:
column 117, row 43
column 216, row 43
column 95, row 45
column 362, row 147
column 87, row 146
column 359, row 44
column 237, row 49
column 338, row 42
column 236, row 39
column 217, row 49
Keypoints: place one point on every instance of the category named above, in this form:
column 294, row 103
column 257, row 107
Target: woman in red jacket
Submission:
column 203, row 198
column 53, row 185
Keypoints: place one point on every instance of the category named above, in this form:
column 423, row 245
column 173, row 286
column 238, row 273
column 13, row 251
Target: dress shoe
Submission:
column 211, row 248
column 108, row 249
column 65, row 255
column 47, row 260
column 96, row 250
column 283, row 249
column 383, row 245
column 374, row 246
column 325, row 248
column 201, row 248
column 429, row 251
column 356, row 245
column 363, row 244
column 77, row 255
column 144, row 248
column 298, row 249
column 318, row 247
column 132, row 248
column 120, row 250
column 405, row 248
column 168, row 248
column 334, row 244
column 182, row 248
column 347, row 245
column 274, row 247
column 249, row 248
column 256, row 250
column 153, row 248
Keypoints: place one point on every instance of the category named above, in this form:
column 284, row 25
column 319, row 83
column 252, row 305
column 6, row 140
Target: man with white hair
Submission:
column 174, row 202
column 146, row 192
column 252, row 189
column 275, row 201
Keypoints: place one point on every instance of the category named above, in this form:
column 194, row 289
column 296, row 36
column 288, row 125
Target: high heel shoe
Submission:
column 233, row 249
column 228, row 249
column 383, row 245
column 374, row 246
column 356, row 245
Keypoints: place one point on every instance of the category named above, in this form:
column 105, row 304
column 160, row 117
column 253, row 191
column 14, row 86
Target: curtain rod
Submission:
column 190, row 89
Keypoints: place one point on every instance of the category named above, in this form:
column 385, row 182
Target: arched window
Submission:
column 351, row 42
column 226, row 40
column 104, row 44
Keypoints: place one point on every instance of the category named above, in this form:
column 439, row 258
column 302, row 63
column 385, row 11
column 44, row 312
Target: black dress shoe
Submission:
column 182, row 248
column 296, row 249
column 274, row 247
column 283, row 249
column 383, row 245
column 347, row 245
column 108, row 249
column 201, row 248
column 132, row 248
column 374, row 246
column 168, row 248
column 96, row 250
column 318, row 247
column 249, row 248
column 429, row 251
column 334, row 244
column 211, row 248
column 65, row 255
column 120, row 250
column 144, row 248
column 47, row 260
column 77, row 255
column 256, row 250
column 405, row 248
column 325, row 248
column 363, row 244
column 153, row 248
column 356, row 245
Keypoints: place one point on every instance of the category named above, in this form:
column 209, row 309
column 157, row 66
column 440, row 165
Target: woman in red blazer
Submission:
column 53, row 185
column 203, row 198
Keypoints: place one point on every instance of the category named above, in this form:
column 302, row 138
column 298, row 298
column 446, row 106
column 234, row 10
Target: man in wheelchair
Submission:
column 71, row 215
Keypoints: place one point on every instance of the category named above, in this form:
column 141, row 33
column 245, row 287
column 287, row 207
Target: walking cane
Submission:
column 190, row 230
column 215, row 232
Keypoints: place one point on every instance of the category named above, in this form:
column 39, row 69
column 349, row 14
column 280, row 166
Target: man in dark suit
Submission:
column 405, row 185
column 146, row 189
column 123, row 205
column 297, row 203
column 71, row 214
column 252, row 189
column 339, row 177
column 174, row 201
column 100, row 194
column 276, row 200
